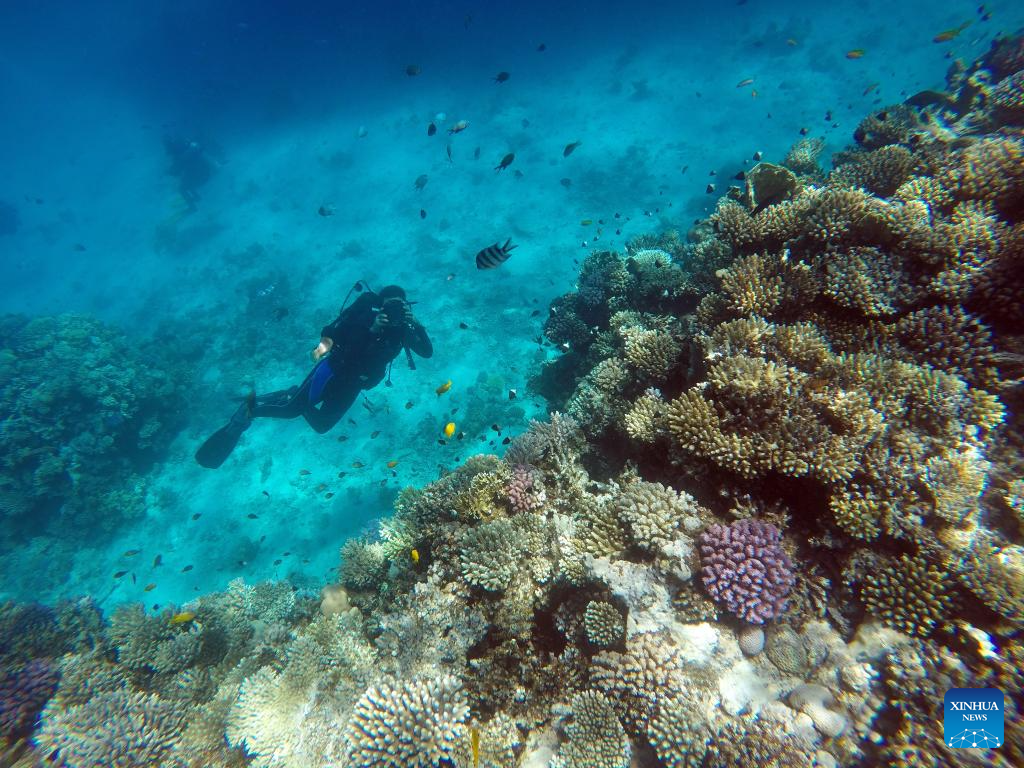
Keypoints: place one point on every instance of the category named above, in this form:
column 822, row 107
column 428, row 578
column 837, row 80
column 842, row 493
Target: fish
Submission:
column 79, row 247
column 449, row 429
column 570, row 148
column 421, row 182
column 494, row 255
column 710, row 189
column 409, row 404
column 525, row 123
column 183, row 617
column 357, row 465
column 448, row 151
column 325, row 210
column 856, row 53
column 252, row 516
column 535, row 313
column 158, row 560
column 280, row 313
column 745, row 83
column 342, row 438
column 361, row 133
column 197, row 515
column 414, row 556
column 304, row 472
column 950, row 34
column 450, row 277
column 459, row 127
column 804, row 131
column 266, row 493
column 506, row 441
column 496, row 428
column 757, row 157
column 791, row 42
column 443, row 388
column 463, row 326
column 423, row 214
column 321, row 487
column 502, row 77
column 753, row 93
column 586, row 222
column 119, row 574
column 870, row 88
column 187, row 568
column 517, row 173
column 512, row 394
column 375, row 434
column 393, row 463
column 431, row 129
column 506, row 161
column 474, row 740
column 566, row 182
column 149, row 587
column 130, row 553
column 542, row 47
column 342, row 474
column 476, row 153
column 412, row 70
column 277, row 562
column 329, row 495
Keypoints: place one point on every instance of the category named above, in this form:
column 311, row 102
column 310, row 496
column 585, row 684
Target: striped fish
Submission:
column 494, row 255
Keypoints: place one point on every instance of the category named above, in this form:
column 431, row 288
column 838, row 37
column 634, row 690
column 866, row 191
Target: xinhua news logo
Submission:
column 973, row 718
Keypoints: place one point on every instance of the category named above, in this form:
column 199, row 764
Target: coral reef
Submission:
column 74, row 443
column 24, row 691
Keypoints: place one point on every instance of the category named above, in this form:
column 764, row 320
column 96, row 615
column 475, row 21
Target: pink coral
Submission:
column 525, row 491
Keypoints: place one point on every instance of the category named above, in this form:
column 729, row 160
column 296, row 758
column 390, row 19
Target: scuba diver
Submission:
column 354, row 354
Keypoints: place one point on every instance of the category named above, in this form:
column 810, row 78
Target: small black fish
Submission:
column 463, row 326
column 804, row 131
column 421, row 182
column 187, row 568
column 342, row 438
column 375, row 434
column 263, row 538
column 448, row 150
column 267, row 494
column 566, row 182
column 158, row 560
column 119, row 574
column 535, row 313
column 506, row 161
column 758, row 156
column 512, row 394
column 570, row 148
column 494, row 255
column 423, row 214
column 412, row 70
column 277, row 562
column 197, row 515
column 542, row 47
column 740, row 176
column 502, row 77
column 409, row 404
column 79, row 247
column 431, row 129
column 496, row 428
column 710, row 189
column 252, row 516
column 476, row 153
column 506, row 441
column 325, row 210
column 525, row 123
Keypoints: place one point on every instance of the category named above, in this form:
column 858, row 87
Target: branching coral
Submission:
column 652, row 512
column 603, row 624
column 490, row 554
column 633, row 680
column 408, row 724
column 24, row 691
column 745, row 568
column 595, row 738
column 362, row 564
column 120, row 730
column 912, row 595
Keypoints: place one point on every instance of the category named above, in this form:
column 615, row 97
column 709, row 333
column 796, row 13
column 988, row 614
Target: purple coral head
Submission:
column 745, row 569
column 525, row 492
column 24, row 691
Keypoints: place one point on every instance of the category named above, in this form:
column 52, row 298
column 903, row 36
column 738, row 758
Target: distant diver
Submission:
column 191, row 165
column 354, row 354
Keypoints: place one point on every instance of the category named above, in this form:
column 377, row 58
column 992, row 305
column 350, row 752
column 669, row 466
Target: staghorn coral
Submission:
column 1007, row 99
column 408, row 724
column 911, row 595
column 995, row 574
column 890, row 125
column 744, row 567
column 603, row 624
column 802, row 157
column 881, row 171
column 490, row 552
column 119, row 730
column 594, row 737
column 991, row 170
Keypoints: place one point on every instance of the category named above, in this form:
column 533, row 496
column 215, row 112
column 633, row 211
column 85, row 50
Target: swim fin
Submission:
column 218, row 446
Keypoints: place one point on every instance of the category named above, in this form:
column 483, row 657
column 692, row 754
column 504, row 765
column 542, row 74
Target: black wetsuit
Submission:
column 358, row 360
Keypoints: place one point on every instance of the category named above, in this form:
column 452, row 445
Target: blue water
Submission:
column 312, row 108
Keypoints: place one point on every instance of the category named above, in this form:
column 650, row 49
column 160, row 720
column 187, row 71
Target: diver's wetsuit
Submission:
column 358, row 360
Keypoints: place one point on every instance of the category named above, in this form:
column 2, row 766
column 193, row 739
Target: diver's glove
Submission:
column 322, row 348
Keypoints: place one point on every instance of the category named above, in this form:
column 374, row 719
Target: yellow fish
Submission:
column 415, row 555
column 443, row 388
column 149, row 587
column 586, row 222
column 182, row 618
column 393, row 463
column 474, row 740
column 449, row 429
column 949, row 34
column 856, row 53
